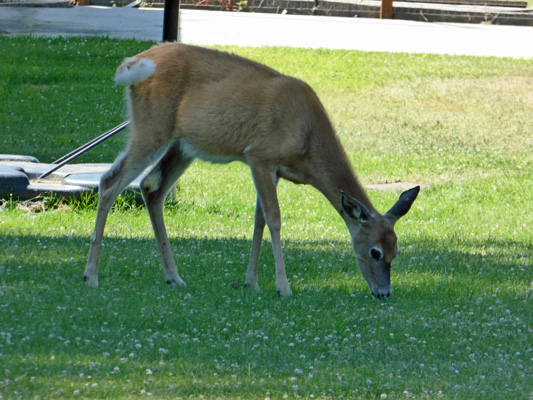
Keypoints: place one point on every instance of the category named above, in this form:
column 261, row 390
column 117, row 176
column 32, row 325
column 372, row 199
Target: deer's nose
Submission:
column 382, row 294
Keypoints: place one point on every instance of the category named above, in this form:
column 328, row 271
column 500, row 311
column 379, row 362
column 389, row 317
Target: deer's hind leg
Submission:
column 125, row 169
column 155, row 187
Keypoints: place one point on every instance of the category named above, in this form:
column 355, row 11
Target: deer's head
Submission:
column 374, row 240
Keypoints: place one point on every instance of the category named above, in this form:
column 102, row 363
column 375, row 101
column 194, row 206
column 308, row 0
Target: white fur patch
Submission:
column 189, row 151
column 133, row 71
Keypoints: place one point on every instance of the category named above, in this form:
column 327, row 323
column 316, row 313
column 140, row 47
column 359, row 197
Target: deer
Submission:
column 188, row 102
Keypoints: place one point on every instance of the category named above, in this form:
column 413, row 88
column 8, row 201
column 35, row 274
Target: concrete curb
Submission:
column 408, row 10
column 37, row 3
column 403, row 10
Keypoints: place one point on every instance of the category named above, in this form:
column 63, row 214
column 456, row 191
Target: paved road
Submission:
column 247, row 29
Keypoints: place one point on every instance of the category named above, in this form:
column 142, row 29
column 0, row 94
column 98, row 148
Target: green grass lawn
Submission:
column 459, row 322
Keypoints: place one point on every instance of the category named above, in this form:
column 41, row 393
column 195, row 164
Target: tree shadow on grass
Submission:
column 60, row 331
column 310, row 264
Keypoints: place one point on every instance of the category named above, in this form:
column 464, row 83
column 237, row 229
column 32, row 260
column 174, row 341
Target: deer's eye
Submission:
column 376, row 253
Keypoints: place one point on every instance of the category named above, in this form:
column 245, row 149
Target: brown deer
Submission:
column 189, row 102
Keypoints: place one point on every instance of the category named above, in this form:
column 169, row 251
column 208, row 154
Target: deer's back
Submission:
column 222, row 104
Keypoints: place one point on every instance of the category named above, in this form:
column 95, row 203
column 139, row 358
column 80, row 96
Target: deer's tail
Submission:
column 134, row 70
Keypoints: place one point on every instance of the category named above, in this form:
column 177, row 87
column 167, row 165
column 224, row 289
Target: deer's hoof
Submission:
column 252, row 286
column 285, row 292
column 91, row 282
column 176, row 282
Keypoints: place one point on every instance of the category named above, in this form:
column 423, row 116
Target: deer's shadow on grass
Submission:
column 311, row 265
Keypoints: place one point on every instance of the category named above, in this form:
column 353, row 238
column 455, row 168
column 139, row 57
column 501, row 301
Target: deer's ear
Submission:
column 355, row 209
column 403, row 205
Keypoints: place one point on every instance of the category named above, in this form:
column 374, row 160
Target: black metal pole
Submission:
column 89, row 144
column 170, row 20
column 83, row 149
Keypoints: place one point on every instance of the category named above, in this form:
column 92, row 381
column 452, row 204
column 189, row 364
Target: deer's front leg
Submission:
column 264, row 180
column 253, row 266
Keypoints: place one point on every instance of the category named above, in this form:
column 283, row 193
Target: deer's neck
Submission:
column 341, row 177
column 334, row 174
